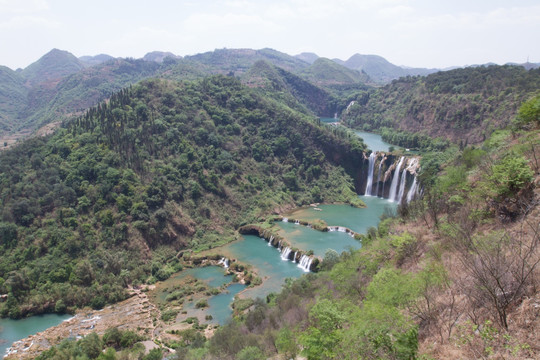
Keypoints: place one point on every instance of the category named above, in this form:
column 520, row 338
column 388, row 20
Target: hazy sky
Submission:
column 420, row 33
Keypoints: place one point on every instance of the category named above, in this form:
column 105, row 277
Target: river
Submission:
column 14, row 330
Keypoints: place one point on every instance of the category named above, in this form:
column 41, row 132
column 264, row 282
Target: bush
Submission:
column 529, row 113
column 169, row 315
column 201, row 304
column 510, row 175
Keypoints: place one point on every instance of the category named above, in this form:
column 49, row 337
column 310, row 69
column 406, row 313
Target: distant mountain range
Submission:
column 59, row 84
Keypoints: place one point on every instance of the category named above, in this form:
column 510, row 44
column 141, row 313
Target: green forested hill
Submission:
column 289, row 88
column 79, row 91
column 58, row 85
column 327, row 72
column 54, row 65
column 239, row 61
column 460, row 105
column 111, row 197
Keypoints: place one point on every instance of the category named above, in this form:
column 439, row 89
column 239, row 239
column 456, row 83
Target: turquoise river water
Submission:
column 374, row 142
column 13, row 330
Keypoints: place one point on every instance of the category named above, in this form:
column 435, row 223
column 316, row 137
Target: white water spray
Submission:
column 285, row 253
column 402, row 186
column 412, row 191
column 394, row 184
column 379, row 178
column 305, row 263
column 371, row 167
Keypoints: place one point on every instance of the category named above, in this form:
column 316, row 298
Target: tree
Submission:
column 8, row 234
column 499, row 267
column 286, row 343
column 510, row 175
column 91, row 345
column 321, row 339
column 529, row 112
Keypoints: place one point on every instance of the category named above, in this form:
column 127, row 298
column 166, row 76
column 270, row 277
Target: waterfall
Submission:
column 402, row 186
column 294, row 257
column 371, row 167
column 285, row 253
column 224, row 262
column 394, row 184
column 279, row 246
column 305, row 263
column 285, row 219
column 297, row 222
column 412, row 190
column 350, row 104
column 379, row 179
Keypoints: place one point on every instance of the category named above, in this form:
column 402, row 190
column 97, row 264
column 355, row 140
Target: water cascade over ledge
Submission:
column 371, row 167
column 400, row 173
column 393, row 186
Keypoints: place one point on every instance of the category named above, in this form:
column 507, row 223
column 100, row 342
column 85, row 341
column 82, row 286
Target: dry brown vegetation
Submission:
column 488, row 307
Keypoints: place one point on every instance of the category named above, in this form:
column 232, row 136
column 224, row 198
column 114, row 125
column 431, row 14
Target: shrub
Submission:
column 201, row 304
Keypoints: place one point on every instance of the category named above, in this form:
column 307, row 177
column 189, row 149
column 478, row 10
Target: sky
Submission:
column 416, row 33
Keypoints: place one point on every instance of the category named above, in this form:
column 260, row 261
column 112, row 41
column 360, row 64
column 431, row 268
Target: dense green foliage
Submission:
column 112, row 196
column 529, row 113
column 113, row 345
column 460, row 105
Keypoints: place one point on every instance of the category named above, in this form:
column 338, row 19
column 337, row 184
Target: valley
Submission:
column 195, row 207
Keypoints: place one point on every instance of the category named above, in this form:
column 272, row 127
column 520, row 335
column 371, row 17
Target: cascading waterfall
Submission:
column 285, row 253
column 285, row 219
column 394, row 184
column 349, row 106
column 402, row 186
column 371, row 167
column 270, row 241
column 279, row 246
column 305, row 263
column 224, row 262
column 294, row 257
column 379, row 178
column 412, row 191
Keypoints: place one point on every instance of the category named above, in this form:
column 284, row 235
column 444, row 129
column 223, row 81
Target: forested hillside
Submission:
column 291, row 89
column 464, row 105
column 111, row 197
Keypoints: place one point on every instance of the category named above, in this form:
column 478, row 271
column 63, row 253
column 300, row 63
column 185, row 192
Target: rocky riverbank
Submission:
column 136, row 313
